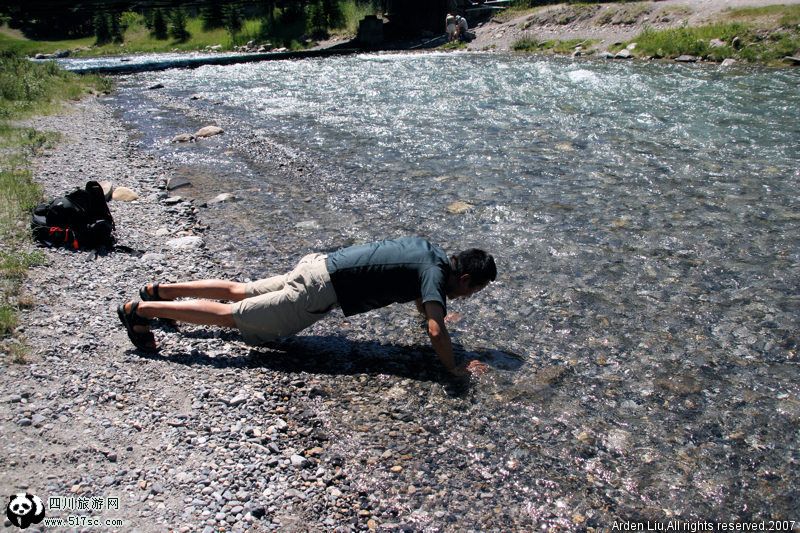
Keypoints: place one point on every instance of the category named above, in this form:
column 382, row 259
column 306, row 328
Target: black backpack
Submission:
column 79, row 220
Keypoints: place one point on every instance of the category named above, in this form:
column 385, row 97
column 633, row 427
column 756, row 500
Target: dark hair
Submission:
column 477, row 263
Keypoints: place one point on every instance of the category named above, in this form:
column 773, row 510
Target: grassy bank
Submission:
column 717, row 42
column 26, row 89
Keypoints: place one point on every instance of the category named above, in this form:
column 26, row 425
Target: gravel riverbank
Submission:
column 200, row 437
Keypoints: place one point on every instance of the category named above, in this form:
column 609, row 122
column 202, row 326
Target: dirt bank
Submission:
column 605, row 23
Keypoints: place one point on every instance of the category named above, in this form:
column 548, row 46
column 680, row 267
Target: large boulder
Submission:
column 208, row 131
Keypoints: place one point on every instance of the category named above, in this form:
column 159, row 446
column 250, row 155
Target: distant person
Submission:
column 461, row 28
column 357, row 279
column 451, row 26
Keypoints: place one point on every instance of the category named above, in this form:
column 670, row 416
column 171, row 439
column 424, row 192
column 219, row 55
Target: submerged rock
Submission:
column 617, row 440
column 307, row 224
column 680, row 385
column 183, row 138
column 459, row 207
column 222, row 198
column 208, row 131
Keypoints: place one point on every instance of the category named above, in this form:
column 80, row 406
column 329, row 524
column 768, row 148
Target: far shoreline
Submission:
column 751, row 32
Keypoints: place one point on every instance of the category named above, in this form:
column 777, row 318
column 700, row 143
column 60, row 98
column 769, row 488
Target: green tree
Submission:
column 102, row 30
column 317, row 21
column 267, row 20
column 213, row 15
column 234, row 21
column 334, row 17
column 177, row 26
column 115, row 28
column 159, row 25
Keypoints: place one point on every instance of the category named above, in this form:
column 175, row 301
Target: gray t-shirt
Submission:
column 374, row 275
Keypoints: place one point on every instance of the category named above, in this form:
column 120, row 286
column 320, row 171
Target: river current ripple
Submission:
column 644, row 326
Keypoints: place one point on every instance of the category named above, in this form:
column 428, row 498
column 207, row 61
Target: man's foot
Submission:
column 138, row 327
column 149, row 293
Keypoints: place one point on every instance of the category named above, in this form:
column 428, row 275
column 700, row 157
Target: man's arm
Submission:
column 440, row 338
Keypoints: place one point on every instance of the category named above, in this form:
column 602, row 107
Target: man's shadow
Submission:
column 337, row 355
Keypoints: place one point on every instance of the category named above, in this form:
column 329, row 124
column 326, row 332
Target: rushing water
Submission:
column 646, row 222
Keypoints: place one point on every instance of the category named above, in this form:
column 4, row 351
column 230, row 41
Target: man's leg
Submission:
column 201, row 312
column 209, row 289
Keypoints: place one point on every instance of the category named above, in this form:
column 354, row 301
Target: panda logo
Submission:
column 25, row 509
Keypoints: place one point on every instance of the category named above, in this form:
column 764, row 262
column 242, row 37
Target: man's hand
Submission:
column 473, row 368
column 476, row 368
column 440, row 340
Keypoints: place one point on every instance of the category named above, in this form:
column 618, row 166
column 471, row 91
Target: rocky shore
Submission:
column 198, row 438
column 338, row 430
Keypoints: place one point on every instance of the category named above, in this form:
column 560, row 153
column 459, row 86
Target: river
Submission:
column 643, row 330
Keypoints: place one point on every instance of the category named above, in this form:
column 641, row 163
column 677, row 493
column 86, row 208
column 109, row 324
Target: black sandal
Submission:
column 143, row 340
column 155, row 297
column 147, row 297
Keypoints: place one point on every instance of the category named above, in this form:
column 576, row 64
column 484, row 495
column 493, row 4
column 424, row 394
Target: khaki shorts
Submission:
column 283, row 305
